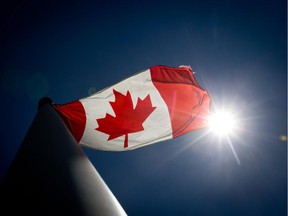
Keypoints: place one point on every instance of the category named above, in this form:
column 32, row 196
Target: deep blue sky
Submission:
column 239, row 52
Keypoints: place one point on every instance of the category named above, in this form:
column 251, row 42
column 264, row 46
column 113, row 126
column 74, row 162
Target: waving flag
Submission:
column 157, row 104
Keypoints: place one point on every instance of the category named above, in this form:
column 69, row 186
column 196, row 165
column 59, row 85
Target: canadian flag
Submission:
column 157, row 104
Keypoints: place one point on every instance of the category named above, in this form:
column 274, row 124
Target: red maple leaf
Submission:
column 128, row 119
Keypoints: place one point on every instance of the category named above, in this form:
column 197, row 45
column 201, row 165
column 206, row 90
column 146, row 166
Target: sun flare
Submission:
column 222, row 123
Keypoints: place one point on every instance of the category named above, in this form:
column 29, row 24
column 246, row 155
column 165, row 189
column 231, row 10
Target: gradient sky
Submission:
column 238, row 50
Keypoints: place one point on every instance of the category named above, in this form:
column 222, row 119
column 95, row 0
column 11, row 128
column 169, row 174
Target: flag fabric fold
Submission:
column 157, row 104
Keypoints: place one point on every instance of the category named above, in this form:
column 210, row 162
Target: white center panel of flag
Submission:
column 157, row 126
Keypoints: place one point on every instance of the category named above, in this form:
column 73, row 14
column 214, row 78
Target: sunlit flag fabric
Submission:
column 157, row 104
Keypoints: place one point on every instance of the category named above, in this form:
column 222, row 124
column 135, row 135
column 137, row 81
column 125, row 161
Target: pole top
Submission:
column 43, row 101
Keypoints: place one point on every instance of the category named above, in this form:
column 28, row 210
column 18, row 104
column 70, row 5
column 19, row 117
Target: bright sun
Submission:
column 222, row 123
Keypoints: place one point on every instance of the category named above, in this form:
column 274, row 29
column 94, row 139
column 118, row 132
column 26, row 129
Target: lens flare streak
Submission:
column 233, row 151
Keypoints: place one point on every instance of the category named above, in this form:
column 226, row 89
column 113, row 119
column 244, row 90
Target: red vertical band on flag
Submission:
column 187, row 102
column 73, row 115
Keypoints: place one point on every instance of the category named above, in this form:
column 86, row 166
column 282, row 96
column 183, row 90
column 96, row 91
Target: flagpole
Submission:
column 51, row 175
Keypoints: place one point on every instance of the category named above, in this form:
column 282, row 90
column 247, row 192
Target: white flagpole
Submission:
column 51, row 175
